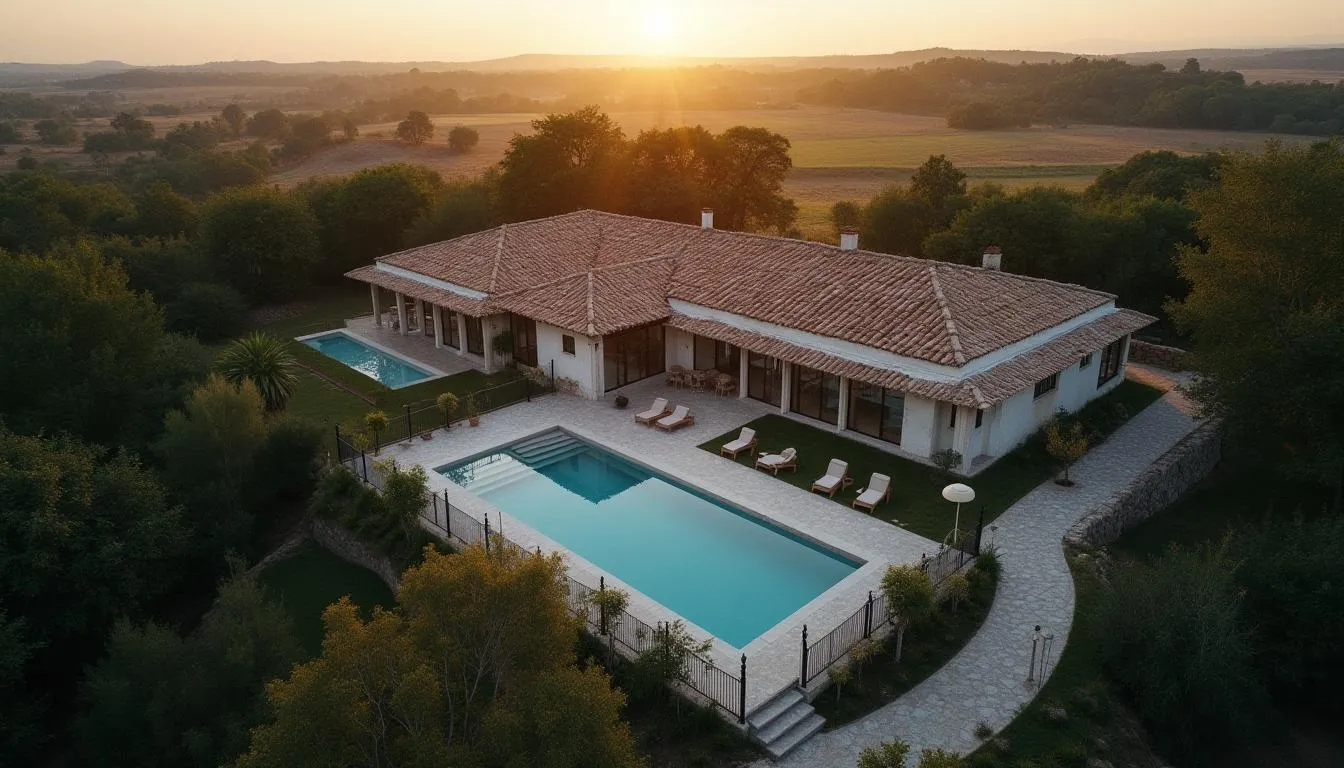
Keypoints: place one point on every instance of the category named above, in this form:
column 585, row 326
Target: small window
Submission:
column 1086, row 361
column 979, row 418
column 567, row 344
column 953, row 424
column 1047, row 384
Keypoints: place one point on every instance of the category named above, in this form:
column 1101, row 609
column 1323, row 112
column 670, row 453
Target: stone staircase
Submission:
column 783, row 722
column 546, row 448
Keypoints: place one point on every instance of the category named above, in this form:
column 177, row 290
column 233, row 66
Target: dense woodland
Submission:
column 141, row 451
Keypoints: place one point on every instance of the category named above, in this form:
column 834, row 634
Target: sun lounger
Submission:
column 681, row 417
column 746, row 440
column 657, row 411
column 836, row 478
column 878, row 490
column 773, row 462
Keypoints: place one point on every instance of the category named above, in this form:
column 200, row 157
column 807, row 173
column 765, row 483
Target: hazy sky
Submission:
column 190, row 31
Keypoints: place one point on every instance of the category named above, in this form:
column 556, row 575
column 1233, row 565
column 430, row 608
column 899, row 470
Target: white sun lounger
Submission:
column 746, row 440
column 836, row 477
column 878, row 490
column 681, row 417
column 773, row 462
column 657, row 411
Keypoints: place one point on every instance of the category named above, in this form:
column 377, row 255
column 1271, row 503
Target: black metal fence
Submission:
column 820, row 654
column 625, row 631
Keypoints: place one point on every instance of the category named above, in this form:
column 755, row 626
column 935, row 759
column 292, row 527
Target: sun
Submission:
column 660, row 30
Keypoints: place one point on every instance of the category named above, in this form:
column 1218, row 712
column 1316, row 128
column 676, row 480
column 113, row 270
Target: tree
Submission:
column 1065, row 442
column 38, row 210
column 9, row 133
column 56, row 132
column 367, row 214
column 668, row 660
column 888, row 754
column 610, row 605
column 269, row 124
column 266, row 363
column 290, row 459
column 896, row 221
column 570, row 161
column 455, row 674
column 671, row 173
column 157, row 699
column 349, row 129
column 1191, row 67
column 1163, row 174
column 209, row 311
column 21, row 738
column 405, row 492
column 208, row 451
column 416, row 129
column 162, row 212
column 463, row 139
column 96, row 340
column 909, row 594
column 1263, row 308
column 375, row 422
column 261, row 241
column 938, row 181
column 136, row 132
column 307, row 135
column 749, row 176
column 461, row 207
column 234, row 117
column 845, row 214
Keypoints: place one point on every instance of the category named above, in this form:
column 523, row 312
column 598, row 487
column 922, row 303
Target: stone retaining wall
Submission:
column 343, row 544
column 1176, row 472
column 1167, row 358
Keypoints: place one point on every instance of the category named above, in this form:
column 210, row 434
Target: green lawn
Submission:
column 917, row 503
column 312, row 579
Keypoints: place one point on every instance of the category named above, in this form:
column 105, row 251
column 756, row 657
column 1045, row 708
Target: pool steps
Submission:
column 538, row 451
column 782, row 723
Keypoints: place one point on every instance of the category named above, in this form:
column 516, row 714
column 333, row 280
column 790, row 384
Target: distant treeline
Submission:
column 985, row 95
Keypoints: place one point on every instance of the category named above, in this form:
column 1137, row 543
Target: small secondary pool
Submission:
column 396, row 372
column 727, row 571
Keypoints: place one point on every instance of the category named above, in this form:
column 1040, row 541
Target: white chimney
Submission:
column 993, row 258
column 706, row 218
column 849, row 239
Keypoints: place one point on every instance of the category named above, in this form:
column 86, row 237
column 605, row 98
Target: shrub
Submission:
column 376, row 423
column 946, row 460
column 463, row 139
column 889, row 754
column 909, row 594
column 937, row 758
column 209, row 311
column 983, row 731
column 446, row 402
column 956, row 590
column 988, row 561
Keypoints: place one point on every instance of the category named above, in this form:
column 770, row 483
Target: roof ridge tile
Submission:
column 953, row 339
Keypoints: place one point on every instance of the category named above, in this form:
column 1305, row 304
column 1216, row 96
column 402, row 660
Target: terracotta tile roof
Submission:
column 943, row 313
column 979, row 391
column 454, row 301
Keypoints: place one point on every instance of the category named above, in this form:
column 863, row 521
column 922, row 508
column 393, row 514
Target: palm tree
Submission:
column 266, row 362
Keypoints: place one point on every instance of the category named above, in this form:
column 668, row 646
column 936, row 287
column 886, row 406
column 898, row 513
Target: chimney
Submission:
column 993, row 258
column 706, row 218
column 849, row 239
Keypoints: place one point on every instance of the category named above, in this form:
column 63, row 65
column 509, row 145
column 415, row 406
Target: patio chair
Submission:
column 773, row 462
column 725, row 385
column 676, row 376
column 657, row 411
column 878, row 490
column 681, row 417
column 746, row 441
column 836, row 478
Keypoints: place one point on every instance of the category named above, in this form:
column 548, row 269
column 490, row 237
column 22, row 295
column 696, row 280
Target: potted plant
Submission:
column 447, row 402
column 375, row 422
column 622, row 401
column 473, row 411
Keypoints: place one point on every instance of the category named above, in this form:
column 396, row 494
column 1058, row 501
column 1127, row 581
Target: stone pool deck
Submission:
column 772, row 659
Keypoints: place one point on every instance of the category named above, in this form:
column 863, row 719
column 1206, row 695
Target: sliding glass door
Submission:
column 876, row 411
column 632, row 355
column 815, row 394
column 524, row 339
column 719, row 355
column 764, row 376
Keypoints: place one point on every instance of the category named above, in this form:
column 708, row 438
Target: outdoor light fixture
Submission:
column 958, row 493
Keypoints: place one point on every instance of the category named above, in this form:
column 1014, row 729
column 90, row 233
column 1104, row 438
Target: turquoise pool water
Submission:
column 376, row 364
column 732, row 574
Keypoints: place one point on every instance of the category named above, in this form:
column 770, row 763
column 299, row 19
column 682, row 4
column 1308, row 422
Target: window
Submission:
column 1086, row 361
column 979, row 418
column 524, row 339
column 952, row 424
column 719, row 355
column 876, row 411
column 815, row 394
column 1048, row 384
column 451, row 337
column 475, row 341
column 633, row 355
column 1111, row 357
column 567, row 344
column 764, row 376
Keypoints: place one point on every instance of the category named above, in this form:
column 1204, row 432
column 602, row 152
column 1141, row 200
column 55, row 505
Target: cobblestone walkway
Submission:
column 986, row 681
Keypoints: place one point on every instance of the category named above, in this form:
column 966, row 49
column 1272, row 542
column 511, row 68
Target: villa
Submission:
column 914, row 355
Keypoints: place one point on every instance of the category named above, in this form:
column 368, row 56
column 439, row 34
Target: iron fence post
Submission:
column 340, row 455
column 487, row 534
column 742, row 694
column 979, row 530
column 406, row 409
column 364, row 462
column 447, row 515
column 802, row 672
column 868, row 617
column 601, row 606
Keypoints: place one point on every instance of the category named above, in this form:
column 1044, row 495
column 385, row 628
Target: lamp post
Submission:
column 958, row 493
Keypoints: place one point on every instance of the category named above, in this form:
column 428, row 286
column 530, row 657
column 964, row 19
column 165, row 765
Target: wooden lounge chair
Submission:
column 836, row 478
column 746, row 441
column 657, row 411
column 878, row 490
column 681, row 417
column 773, row 462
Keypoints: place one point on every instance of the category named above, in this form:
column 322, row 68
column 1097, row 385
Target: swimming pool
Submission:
column 394, row 371
column 729, row 572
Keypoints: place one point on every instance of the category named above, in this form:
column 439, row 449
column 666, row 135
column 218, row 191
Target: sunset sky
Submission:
column 174, row 31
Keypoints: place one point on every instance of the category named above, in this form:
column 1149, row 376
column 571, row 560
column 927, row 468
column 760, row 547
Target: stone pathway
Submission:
column 986, row 681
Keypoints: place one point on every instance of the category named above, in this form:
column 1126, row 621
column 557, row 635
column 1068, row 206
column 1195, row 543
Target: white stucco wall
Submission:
column 578, row 366
column 917, row 425
column 680, row 347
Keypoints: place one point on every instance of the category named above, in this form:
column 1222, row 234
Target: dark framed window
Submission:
column 633, row 355
column 765, row 376
column 1111, row 357
column 876, row 411
column 475, row 338
column 1086, row 361
column 1048, row 384
column 952, row 423
column 979, row 417
column 815, row 394
column 567, row 344
column 719, row 355
column 451, row 336
column 524, row 338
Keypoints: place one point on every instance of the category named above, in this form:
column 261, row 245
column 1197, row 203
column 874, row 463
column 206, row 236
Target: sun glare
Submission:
column 660, row 30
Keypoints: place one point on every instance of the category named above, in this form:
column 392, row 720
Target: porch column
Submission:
column 461, row 334
column 741, row 374
column 438, row 326
column 488, row 343
column 420, row 317
column 376, row 295
column 961, row 435
column 401, row 313
column 785, row 386
column 842, row 409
